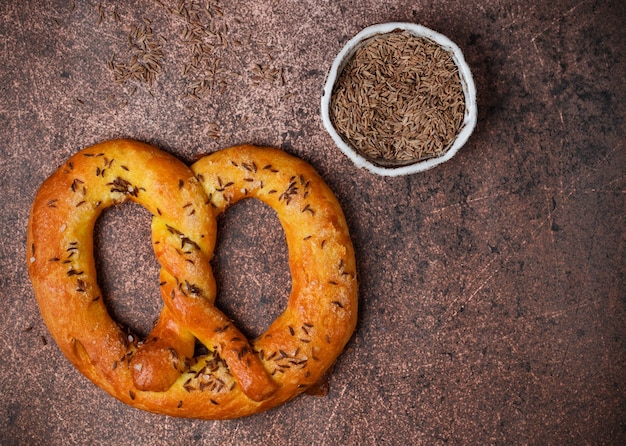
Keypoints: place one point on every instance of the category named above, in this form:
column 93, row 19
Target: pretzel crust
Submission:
column 237, row 377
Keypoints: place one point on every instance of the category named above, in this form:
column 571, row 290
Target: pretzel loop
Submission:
column 164, row 373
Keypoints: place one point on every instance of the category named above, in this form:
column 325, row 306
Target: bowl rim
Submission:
column 467, row 82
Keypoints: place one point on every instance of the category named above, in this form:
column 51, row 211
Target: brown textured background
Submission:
column 492, row 296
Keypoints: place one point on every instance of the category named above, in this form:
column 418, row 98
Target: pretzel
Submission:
column 165, row 372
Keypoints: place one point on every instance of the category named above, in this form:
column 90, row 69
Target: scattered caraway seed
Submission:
column 218, row 54
column 145, row 57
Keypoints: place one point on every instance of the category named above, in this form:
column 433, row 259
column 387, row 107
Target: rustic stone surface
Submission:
column 492, row 287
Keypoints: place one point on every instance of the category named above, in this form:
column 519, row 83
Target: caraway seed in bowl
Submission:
column 399, row 99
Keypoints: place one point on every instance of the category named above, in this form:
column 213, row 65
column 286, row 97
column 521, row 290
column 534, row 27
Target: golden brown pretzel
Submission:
column 160, row 374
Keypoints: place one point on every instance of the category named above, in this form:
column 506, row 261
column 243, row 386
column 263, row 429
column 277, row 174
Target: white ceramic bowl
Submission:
column 469, row 90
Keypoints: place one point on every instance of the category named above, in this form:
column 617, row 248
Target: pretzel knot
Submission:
column 164, row 372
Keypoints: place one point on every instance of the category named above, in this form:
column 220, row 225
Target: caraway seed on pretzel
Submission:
column 233, row 376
